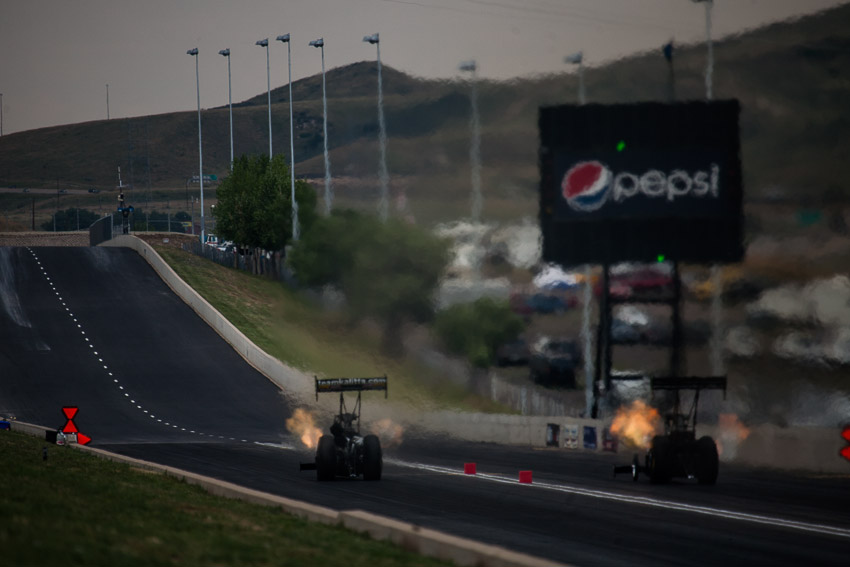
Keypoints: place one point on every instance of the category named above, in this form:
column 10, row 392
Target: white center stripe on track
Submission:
column 640, row 500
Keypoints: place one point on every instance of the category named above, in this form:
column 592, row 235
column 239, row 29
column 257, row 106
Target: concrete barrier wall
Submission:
column 423, row 541
column 814, row 449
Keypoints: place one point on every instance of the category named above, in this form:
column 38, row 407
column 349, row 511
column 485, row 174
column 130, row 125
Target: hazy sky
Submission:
column 57, row 56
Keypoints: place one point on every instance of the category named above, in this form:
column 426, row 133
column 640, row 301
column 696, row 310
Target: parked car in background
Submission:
column 542, row 303
column 553, row 362
column 513, row 353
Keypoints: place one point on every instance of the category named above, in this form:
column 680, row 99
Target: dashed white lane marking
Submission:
column 638, row 500
column 100, row 357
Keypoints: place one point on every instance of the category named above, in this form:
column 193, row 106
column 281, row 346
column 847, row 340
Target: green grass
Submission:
column 298, row 333
column 77, row 509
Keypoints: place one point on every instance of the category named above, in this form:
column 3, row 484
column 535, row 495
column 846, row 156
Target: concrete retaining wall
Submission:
column 813, row 449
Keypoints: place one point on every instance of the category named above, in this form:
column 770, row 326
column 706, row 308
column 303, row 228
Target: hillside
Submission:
column 790, row 79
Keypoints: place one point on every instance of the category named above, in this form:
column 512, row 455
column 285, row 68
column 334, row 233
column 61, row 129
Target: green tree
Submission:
column 70, row 219
column 254, row 207
column 475, row 330
column 389, row 271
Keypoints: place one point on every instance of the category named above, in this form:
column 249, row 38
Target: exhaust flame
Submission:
column 636, row 424
column 731, row 433
column 389, row 432
column 303, row 424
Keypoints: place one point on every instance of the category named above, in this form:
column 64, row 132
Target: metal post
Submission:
column 709, row 68
column 226, row 53
column 265, row 43
column 194, row 52
column 383, row 175
column 717, row 365
column 325, row 137
column 107, row 101
column 581, row 82
column 295, row 228
column 475, row 144
column 320, row 43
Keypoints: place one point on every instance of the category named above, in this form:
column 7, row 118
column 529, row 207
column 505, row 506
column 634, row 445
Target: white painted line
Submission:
column 640, row 500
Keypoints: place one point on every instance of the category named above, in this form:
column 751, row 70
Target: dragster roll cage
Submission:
column 325, row 385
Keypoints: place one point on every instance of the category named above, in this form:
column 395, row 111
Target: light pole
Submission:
column 475, row 145
column 295, row 229
column 226, row 53
column 587, row 337
column 715, row 276
column 667, row 50
column 107, row 101
column 320, row 43
column 194, row 52
column 383, row 175
column 1, row 114
column 578, row 59
column 265, row 43
column 709, row 67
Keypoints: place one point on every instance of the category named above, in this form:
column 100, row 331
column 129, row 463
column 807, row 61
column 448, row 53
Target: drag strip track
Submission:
column 156, row 360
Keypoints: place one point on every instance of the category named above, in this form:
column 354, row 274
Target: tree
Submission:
column 389, row 270
column 71, row 219
column 476, row 329
column 254, row 207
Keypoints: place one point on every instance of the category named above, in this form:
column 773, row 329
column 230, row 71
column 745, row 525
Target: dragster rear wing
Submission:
column 324, row 385
column 690, row 383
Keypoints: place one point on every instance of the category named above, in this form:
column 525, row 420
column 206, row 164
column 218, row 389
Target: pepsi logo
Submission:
column 586, row 185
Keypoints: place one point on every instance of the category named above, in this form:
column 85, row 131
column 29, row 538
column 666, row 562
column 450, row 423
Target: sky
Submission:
column 58, row 56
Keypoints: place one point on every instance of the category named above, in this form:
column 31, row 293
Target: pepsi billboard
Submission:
column 633, row 182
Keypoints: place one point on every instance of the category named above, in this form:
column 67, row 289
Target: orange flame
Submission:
column 636, row 424
column 303, row 424
column 389, row 432
column 731, row 433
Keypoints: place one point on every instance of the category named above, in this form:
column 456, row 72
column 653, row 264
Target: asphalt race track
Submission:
column 96, row 328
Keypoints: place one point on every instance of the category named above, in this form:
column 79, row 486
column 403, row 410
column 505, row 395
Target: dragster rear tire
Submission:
column 326, row 458
column 373, row 460
column 707, row 462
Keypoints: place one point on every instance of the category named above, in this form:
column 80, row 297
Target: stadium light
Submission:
column 194, row 52
column 295, row 228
